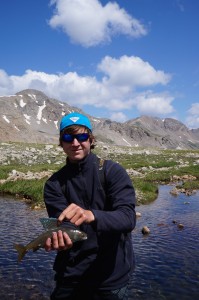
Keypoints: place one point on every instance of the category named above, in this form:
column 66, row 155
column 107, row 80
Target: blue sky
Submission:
column 117, row 60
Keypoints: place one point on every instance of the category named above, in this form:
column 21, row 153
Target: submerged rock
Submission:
column 145, row 230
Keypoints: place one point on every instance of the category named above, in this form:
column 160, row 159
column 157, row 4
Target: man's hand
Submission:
column 59, row 241
column 76, row 215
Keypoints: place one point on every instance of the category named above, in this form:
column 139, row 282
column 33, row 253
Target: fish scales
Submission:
column 50, row 225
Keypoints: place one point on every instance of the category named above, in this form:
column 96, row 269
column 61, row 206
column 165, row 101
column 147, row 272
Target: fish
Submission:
column 50, row 225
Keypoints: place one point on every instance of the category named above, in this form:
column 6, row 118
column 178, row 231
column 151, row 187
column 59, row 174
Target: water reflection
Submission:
column 167, row 260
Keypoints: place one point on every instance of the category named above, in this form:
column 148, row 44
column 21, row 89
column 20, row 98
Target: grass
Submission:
column 154, row 167
column 5, row 170
column 28, row 189
column 146, row 191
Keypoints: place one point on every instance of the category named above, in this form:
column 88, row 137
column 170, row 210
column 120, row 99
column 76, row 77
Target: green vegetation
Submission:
column 28, row 189
column 147, row 168
column 5, row 170
column 146, row 191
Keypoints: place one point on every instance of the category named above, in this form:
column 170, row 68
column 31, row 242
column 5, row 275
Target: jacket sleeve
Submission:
column 55, row 200
column 120, row 193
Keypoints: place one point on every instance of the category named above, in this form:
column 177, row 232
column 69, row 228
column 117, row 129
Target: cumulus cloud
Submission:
column 192, row 120
column 88, row 23
column 124, row 85
column 118, row 117
column 6, row 86
column 154, row 104
column 131, row 71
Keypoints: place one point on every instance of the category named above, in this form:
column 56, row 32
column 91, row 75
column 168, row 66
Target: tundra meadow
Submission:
column 24, row 168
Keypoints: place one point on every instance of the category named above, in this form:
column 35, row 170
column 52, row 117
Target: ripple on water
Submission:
column 167, row 260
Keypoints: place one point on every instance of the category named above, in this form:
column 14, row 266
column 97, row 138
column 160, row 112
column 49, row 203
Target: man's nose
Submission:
column 75, row 142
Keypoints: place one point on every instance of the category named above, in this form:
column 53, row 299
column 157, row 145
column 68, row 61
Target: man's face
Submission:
column 77, row 150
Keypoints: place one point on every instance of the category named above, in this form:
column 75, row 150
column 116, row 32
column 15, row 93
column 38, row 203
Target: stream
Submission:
column 167, row 259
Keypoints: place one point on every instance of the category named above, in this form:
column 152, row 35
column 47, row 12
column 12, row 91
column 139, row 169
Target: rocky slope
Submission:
column 32, row 117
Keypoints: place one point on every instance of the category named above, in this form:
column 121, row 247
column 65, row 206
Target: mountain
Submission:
column 195, row 132
column 32, row 117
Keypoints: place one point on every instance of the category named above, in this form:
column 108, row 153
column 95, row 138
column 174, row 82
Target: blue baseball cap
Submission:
column 75, row 118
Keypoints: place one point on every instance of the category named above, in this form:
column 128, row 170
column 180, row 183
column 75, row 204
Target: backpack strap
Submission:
column 101, row 173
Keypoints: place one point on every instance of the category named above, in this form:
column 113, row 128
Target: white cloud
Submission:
column 116, row 91
column 154, row 104
column 194, row 110
column 5, row 83
column 192, row 119
column 131, row 71
column 88, row 23
column 118, row 117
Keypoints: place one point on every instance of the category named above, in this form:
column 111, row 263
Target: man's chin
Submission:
column 77, row 156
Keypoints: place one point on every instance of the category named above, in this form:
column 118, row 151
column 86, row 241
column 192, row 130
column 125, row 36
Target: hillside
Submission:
column 32, row 117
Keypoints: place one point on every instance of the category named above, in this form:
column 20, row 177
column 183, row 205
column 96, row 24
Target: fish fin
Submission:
column 49, row 223
column 36, row 248
column 21, row 251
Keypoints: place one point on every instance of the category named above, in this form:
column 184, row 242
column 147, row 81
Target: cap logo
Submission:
column 74, row 119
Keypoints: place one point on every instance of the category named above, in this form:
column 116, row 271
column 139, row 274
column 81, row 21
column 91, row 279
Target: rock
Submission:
column 145, row 230
column 138, row 214
column 180, row 226
column 174, row 191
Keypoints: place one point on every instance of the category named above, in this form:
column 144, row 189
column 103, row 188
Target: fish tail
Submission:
column 21, row 251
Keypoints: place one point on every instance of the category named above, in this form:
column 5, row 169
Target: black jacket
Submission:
column 105, row 259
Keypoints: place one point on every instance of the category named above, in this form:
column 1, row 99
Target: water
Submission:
column 167, row 260
column 32, row 278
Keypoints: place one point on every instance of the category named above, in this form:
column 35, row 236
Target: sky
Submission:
column 112, row 59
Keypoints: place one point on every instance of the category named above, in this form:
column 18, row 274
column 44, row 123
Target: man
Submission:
column 101, row 266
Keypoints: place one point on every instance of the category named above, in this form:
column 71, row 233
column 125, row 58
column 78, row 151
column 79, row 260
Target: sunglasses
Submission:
column 81, row 137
